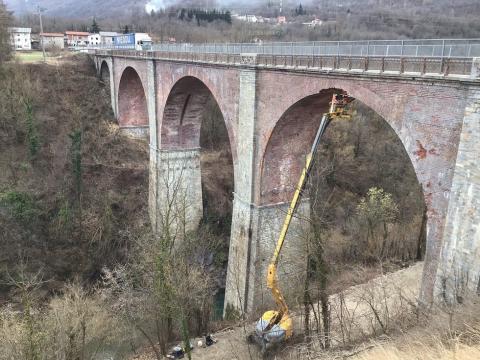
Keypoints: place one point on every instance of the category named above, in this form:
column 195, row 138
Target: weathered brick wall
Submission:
column 427, row 117
column 288, row 145
column 132, row 101
column 240, row 283
column 131, row 78
column 182, row 92
column 105, row 66
column 222, row 84
column 182, row 114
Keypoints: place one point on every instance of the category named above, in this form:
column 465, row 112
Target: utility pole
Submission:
column 41, row 31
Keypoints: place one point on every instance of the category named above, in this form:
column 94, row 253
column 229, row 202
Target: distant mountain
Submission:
column 113, row 8
column 78, row 8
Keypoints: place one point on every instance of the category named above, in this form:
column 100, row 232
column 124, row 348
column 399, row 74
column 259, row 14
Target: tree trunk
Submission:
column 422, row 236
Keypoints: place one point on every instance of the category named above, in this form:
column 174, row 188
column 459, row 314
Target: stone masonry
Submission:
column 460, row 261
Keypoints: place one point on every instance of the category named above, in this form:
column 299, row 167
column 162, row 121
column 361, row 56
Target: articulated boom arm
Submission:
column 336, row 111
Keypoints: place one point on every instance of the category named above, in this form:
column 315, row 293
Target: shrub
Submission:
column 22, row 206
column 32, row 133
column 75, row 325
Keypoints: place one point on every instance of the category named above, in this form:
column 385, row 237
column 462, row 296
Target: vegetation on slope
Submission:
column 72, row 187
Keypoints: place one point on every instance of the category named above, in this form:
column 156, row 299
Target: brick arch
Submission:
column 132, row 101
column 382, row 106
column 182, row 115
column 287, row 144
column 105, row 72
column 292, row 135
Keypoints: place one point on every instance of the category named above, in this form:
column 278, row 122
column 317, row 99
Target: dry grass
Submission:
column 74, row 325
column 420, row 351
column 446, row 333
column 449, row 332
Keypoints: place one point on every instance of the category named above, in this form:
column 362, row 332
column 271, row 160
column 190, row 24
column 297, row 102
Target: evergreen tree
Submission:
column 205, row 15
column 95, row 28
column 182, row 14
column 126, row 29
column 228, row 17
column 300, row 10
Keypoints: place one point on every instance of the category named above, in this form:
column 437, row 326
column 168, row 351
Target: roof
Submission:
column 79, row 33
column 19, row 30
column 51, row 34
column 108, row 33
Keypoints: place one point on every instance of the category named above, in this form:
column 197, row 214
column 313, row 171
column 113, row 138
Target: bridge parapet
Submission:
column 410, row 48
column 452, row 67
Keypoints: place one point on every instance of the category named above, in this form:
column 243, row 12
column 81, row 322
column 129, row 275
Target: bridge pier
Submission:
column 152, row 123
column 255, row 228
column 178, row 192
column 459, row 268
column 239, row 256
column 255, row 243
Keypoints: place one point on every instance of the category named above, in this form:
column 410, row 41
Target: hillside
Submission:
column 78, row 9
column 343, row 20
column 72, row 187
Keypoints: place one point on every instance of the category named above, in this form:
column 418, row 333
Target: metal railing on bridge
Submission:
column 403, row 48
column 454, row 58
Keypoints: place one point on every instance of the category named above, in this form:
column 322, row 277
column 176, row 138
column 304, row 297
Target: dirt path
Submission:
column 357, row 313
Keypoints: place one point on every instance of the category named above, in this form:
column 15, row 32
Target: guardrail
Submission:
column 444, row 48
column 435, row 66
column 404, row 48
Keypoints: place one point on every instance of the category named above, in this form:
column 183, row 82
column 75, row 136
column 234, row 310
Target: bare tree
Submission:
column 5, row 22
column 164, row 288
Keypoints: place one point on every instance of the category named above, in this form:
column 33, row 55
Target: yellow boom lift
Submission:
column 275, row 326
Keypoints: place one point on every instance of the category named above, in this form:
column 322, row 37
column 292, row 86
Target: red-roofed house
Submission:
column 76, row 38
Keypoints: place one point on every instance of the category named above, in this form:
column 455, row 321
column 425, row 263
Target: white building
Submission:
column 106, row 37
column 142, row 41
column 94, row 39
column 249, row 18
column 76, row 38
column 20, row 38
column 314, row 23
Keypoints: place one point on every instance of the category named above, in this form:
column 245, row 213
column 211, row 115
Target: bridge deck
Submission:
column 454, row 67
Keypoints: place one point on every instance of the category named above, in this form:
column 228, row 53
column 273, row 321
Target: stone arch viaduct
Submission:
column 271, row 107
